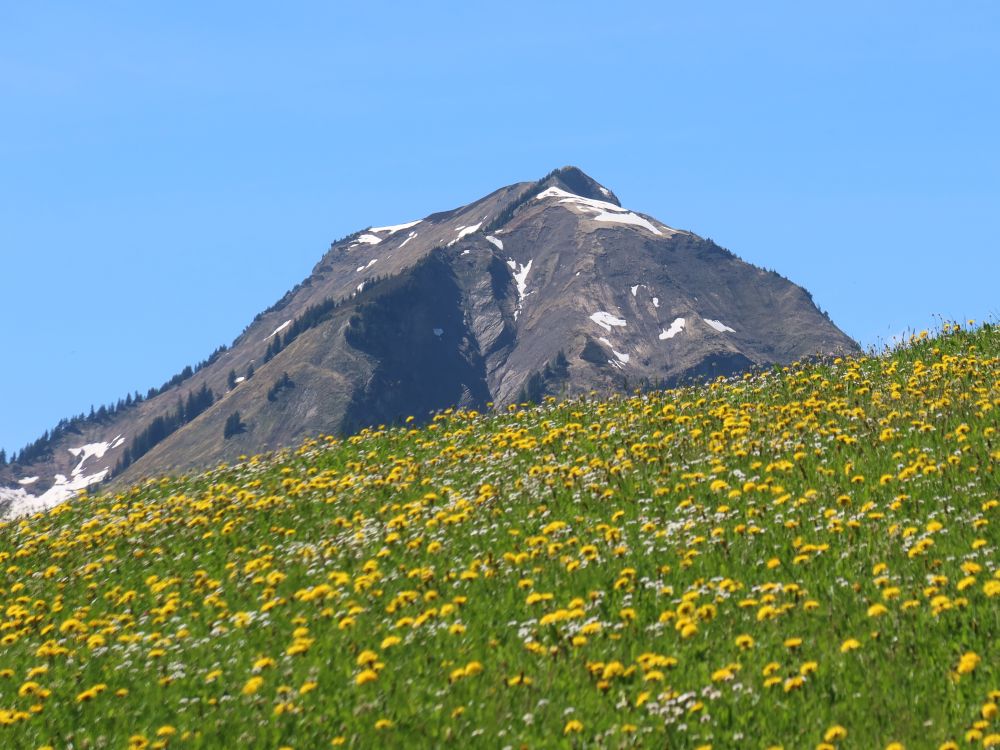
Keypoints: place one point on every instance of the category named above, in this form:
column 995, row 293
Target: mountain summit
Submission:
column 539, row 288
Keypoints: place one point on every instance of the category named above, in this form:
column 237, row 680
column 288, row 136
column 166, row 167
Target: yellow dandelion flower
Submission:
column 793, row 683
column 90, row 693
column 252, row 685
column 473, row 668
column 28, row 688
column 573, row 726
column 262, row 663
column 722, row 675
column 834, row 733
column 366, row 676
column 968, row 662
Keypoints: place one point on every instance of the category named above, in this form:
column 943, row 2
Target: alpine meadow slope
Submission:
column 539, row 288
column 800, row 557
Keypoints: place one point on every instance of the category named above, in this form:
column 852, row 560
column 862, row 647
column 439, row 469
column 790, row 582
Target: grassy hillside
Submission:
column 803, row 558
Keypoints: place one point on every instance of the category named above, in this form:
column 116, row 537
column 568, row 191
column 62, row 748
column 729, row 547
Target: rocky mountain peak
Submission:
column 544, row 288
column 575, row 180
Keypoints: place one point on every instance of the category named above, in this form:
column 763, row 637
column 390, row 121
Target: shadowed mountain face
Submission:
column 543, row 288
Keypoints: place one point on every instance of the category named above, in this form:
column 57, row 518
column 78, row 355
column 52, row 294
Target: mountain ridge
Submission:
column 465, row 308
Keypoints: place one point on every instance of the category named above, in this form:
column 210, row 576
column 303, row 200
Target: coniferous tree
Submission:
column 562, row 364
column 233, row 426
column 3, row 457
column 250, row 371
column 231, row 379
column 533, row 390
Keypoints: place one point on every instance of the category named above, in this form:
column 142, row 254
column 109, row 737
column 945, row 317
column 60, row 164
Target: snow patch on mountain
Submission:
column 719, row 326
column 408, row 238
column 607, row 212
column 463, row 231
column 620, row 356
column 368, row 239
column 495, row 241
column 520, row 274
column 626, row 218
column 18, row 503
column 279, row 329
column 96, row 450
column 605, row 320
column 396, row 227
column 15, row 503
column 676, row 327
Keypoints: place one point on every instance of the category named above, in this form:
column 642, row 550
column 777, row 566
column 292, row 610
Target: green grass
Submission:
column 572, row 575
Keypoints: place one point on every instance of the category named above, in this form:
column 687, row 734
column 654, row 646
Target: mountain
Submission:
column 539, row 288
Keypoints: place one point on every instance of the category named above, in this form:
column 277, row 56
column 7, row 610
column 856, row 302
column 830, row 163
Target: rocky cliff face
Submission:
column 549, row 287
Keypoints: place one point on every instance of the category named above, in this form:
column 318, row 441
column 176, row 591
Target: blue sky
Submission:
column 167, row 170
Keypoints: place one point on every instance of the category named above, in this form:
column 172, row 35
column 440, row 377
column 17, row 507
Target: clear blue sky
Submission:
column 167, row 170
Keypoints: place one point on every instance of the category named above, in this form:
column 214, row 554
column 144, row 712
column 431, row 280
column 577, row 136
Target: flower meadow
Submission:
column 799, row 558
